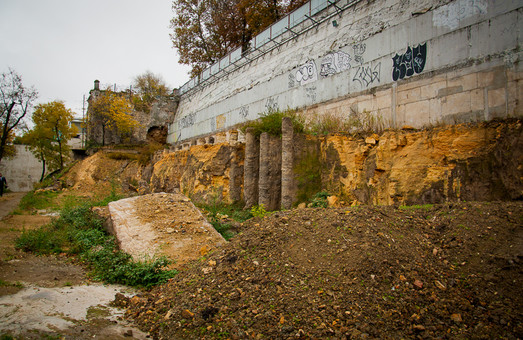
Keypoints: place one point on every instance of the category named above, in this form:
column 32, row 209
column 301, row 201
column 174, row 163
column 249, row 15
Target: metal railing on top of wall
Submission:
column 285, row 28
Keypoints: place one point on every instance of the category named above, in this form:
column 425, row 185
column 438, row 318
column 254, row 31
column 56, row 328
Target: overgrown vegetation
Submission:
column 308, row 175
column 79, row 231
column 259, row 211
column 319, row 124
column 223, row 216
column 319, row 200
column 271, row 121
column 33, row 201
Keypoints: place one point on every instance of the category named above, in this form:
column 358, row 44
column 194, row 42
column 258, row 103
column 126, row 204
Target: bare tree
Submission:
column 15, row 102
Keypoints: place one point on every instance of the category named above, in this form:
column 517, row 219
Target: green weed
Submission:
column 416, row 207
column 79, row 231
column 320, row 200
column 259, row 211
column 271, row 121
column 37, row 201
column 219, row 213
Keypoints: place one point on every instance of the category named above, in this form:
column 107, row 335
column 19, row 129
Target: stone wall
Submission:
column 153, row 125
column 416, row 63
column 472, row 161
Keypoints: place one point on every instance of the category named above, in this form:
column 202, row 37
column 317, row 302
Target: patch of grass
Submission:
column 79, row 231
column 218, row 214
column 10, row 284
column 416, row 207
column 37, row 201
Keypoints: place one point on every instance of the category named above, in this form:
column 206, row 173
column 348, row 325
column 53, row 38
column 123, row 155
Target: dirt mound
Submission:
column 448, row 271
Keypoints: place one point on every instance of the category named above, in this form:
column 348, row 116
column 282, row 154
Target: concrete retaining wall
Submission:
column 22, row 171
column 408, row 63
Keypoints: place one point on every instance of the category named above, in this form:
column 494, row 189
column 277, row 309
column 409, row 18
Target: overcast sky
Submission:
column 62, row 46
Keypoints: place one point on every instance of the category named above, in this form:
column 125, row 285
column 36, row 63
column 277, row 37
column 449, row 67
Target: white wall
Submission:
column 22, row 171
column 361, row 52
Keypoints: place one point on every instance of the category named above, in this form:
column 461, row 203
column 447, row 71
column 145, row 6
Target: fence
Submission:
column 277, row 34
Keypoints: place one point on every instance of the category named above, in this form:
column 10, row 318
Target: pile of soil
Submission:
column 446, row 271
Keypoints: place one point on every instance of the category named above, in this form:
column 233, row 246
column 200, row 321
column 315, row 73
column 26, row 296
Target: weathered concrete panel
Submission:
column 22, row 171
column 375, row 46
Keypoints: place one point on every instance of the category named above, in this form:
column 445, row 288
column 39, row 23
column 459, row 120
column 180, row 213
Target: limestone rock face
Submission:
column 203, row 171
column 467, row 162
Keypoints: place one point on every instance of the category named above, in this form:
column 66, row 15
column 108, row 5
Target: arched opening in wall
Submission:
column 157, row 134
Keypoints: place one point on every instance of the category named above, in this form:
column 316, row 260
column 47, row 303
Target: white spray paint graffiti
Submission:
column 451, row 14
column 307, row 73
column 334, row 63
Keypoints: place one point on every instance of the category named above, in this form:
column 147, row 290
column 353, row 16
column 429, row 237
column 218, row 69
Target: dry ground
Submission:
column 447, row 271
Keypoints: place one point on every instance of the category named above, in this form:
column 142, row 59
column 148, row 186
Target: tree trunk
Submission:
column 43, row 166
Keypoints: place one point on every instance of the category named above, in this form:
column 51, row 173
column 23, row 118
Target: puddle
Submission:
column 58, row 309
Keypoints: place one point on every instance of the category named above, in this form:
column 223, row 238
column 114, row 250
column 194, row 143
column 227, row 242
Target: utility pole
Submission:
column 83, row 124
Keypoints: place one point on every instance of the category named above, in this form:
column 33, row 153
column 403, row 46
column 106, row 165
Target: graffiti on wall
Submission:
column 188, row 120
column 359, row 49
column 410, row 62
column 244, row 111
column 271, row 105
column 306, row 73
column 367, row 74
column 311, row 93
column 335, row 62
column 452, row 14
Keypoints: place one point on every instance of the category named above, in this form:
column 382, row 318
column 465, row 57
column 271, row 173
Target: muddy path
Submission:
column 50, row 296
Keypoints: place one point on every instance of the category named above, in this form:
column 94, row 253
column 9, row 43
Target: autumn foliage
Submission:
column 110, row 112
column 206, row 30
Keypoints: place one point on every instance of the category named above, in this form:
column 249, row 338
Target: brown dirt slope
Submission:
column 447, row 271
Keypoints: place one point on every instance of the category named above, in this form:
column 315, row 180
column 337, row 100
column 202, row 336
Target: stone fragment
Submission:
column 333, row 200
column 370, row 140
column 168, row 315
column 440, row 285
column 418, row 284
column 187, row 314
column 456, row 317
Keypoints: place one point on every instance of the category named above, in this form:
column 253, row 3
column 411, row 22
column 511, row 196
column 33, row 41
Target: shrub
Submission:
column 271, row 121
column 320, row 200
column 259, row 211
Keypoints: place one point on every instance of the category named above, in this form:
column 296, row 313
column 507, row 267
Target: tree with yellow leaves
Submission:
column 110, row 112
column 50, row 134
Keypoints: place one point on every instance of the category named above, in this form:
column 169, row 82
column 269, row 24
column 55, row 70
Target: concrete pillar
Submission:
column 235, row 190
column 287, row 163
column 264, row 181
column 250, row 172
